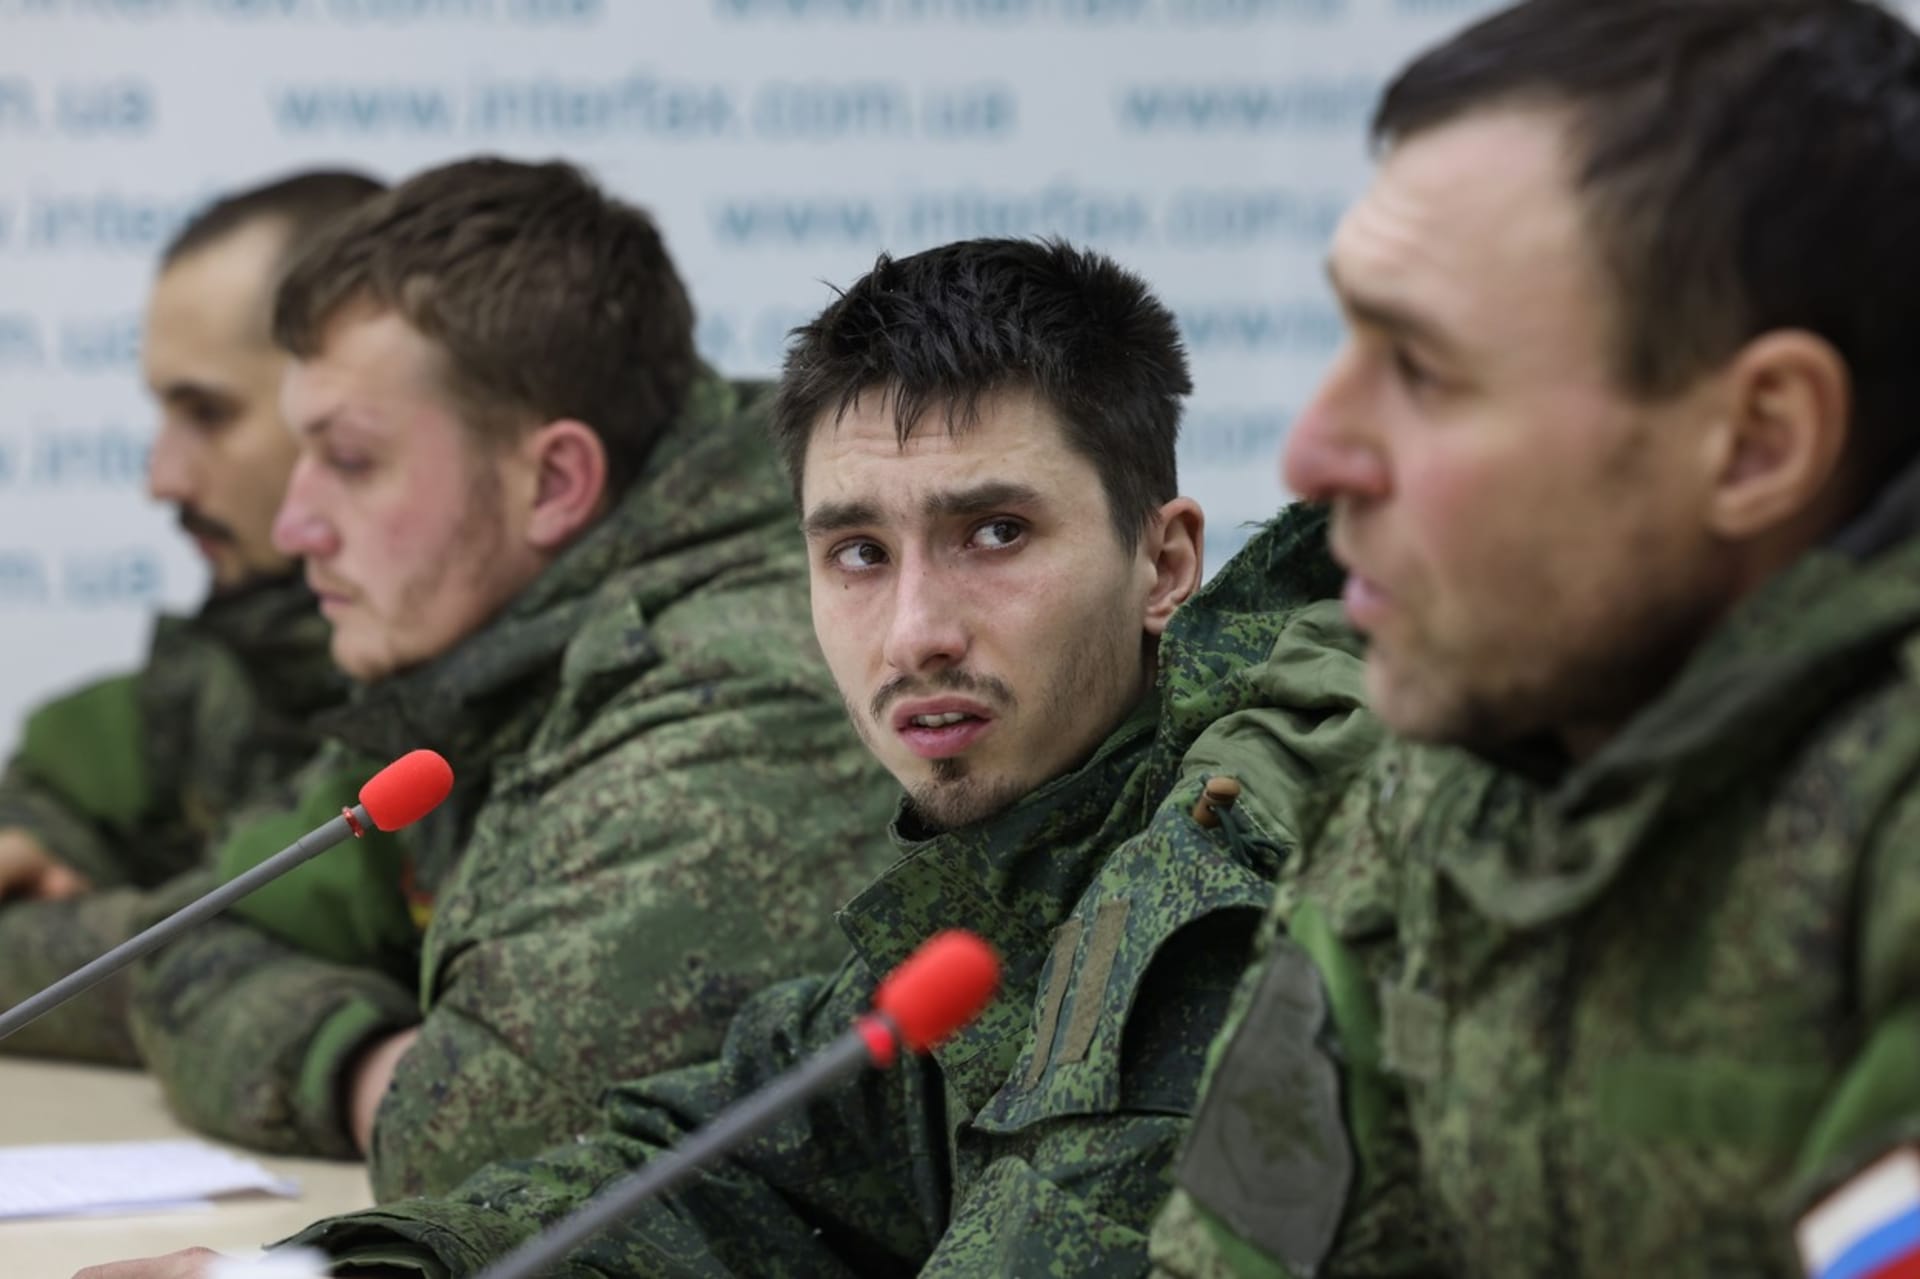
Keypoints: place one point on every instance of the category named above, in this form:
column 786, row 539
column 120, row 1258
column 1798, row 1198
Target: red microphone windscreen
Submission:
column 939, row 988
column 406, row 790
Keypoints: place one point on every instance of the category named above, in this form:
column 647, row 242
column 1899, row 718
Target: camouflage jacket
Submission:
column 1035, row 1141
column 1628, row 1017
column 658, row 804
column 128, row 780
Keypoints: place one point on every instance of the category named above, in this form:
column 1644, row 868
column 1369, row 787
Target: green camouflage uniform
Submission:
column 1036, row 1140
column 1620, row 1019
column 658, row 804
column 128, row 781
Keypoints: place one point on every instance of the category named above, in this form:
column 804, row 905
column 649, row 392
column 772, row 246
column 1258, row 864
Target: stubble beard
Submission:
column 1599, row 682
column 480, row 537
column 956, row 794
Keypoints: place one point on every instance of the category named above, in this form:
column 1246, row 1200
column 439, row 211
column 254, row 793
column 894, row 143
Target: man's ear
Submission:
column 569, row 466
column 1787, row 400
column 1172, row 545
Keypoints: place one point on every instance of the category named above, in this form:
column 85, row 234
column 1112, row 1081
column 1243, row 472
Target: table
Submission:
column 42, row 1101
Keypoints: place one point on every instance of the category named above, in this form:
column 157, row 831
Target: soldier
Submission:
column 559, row 551
column 113, row 798
column 982, row 438
column 1621, row 457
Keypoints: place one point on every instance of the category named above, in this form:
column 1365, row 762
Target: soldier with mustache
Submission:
column 111, row 804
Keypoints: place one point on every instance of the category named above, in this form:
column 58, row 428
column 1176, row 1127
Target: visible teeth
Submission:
column 939, row 721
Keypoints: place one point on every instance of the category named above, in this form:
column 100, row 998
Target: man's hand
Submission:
column 29, row 872
column 372, row 1074
column 194, row 1263
column 190, row 1264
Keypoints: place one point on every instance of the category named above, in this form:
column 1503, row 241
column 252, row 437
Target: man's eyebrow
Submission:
column 317, row 427
column 837, row 517
column 1390, row 317
column 981, row 499
column 190, row 389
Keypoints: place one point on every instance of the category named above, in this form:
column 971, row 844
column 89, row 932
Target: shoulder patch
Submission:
column 1060, row 971
column 1109, row 927
column 1268, row 1153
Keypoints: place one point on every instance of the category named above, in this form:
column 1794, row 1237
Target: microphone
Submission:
column 938, row 989
column 398, row 795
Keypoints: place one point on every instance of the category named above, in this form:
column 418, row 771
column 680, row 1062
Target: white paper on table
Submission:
column 96, row 1178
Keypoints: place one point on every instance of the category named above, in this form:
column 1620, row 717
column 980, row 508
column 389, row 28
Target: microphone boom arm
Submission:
column 351, row 822
column 842, row 1059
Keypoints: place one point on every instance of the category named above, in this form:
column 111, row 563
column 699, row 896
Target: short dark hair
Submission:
column 1745, row 165
column 302, row 202
column 549, row 298
column 952, row 324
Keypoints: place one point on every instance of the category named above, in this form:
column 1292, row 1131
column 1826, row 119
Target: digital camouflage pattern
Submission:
column 658, row 804
column 1035, row 1141
column 129, row 781
column 1631, row 1017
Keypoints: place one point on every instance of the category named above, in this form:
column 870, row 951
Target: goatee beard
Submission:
column 953, row 798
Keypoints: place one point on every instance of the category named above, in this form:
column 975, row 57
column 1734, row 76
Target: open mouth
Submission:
column 1366, row 604
column 944, row 720
column 940, row 731
column 332, row 599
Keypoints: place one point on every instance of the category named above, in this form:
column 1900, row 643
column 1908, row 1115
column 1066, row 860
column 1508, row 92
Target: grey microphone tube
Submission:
column 934, row 992
column 308, row 846
column 845, row 1057
column 398, row 795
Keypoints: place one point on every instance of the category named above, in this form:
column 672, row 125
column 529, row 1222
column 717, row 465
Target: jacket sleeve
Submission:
column 829, row 1192
column 1874, row 1106
column 1301, row 1158
column 250, row 1019
column 611, row 927
column 41, row 942
column 1296, row 1110
column 80, row 783
column 250, row 1037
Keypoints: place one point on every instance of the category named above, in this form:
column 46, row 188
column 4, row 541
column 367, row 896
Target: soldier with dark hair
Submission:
column 110, row 803
column 1621, row 461
column 982, row 440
